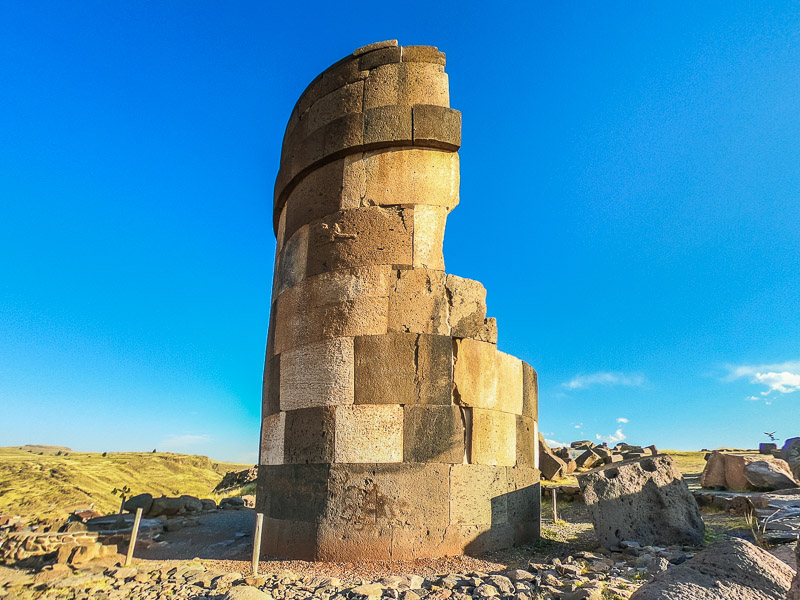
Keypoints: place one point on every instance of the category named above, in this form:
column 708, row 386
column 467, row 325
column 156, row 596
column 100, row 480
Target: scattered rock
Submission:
column 245, row 592
column 731, row 570
column 143, row 501
column 644, row 500
column 551, row 466
column 791, row 454
column 794, row 593
column 769, row 475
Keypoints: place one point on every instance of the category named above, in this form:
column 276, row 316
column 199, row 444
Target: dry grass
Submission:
column 47, row 485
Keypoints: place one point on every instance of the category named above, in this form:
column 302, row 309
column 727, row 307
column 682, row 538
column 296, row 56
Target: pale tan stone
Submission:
column 429, row 223
column 536, row 446
column 272, row 436
column 494, row 438
column 369, row 433
column 418, row 303
column 478, row 495
column 475, row 374
column 467, row 306
column 488, row 333
column 338, row 103
column 364, row 236
column 382, row 86
column 407, row 83
column 354, row 181
column 317, row 195
column 509, row 384
column 343, row 303
column 319, row 374
column 281, row 231
column 411, row 176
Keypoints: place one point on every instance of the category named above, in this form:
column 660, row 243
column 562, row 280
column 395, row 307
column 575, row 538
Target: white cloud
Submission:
column 614, row 438
column 783, row 378
column 555, row 444
column 623, row 420
column 184, row 440
column 581, row 382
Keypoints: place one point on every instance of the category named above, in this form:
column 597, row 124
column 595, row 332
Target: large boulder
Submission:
column 166, row 507
column 740, row 473
column 143, row 501
column 794, row 593
column 791, row 454
column 192, row 504
column 551, row 466
column 730, row 570
column 769, row 475
column 644, row 500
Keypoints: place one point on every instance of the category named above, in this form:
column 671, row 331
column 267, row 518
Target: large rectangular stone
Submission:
column 467, row 306
column 309, row 435
column 429, row 224
column 296, row 492
column 272, row 433
column 316, row 196
column 433, row 434
column 478, row 495
column 428, row 54
column 385, row 369
column 423, row 83
column 270, row 396
column 318, row 374
column 524, row 494
column 369, row 433
column 437, row 127
column 475, row 374
column 411, row 176
column 370, row 235
column 530, row 392
column 338, row 103
column 343, row 303
column 343, row 133
column 527, row 441
column 434, row 369
column 418, row 303
column 509, row 383
column 382, row 86
column 494, row 438
column 485, row 538
column 388, row 126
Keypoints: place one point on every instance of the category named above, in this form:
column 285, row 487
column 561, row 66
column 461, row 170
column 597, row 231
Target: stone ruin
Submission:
column 393, row 428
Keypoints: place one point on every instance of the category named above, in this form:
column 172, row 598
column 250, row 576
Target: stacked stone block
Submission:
column 393, row 428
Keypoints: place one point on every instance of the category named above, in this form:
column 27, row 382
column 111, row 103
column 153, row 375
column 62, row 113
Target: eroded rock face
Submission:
column 731, row 570
column 644, row 500
column 794, row 593
column 769, row 475
column 791, row 454
column 392, row 425
column 741, row 472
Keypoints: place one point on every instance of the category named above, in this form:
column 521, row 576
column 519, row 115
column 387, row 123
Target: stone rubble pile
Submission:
column 237, row 479
column 583, row 576
column 584, row 455
column 746, row 472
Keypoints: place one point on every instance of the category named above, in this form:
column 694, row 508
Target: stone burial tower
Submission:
column 392, row 428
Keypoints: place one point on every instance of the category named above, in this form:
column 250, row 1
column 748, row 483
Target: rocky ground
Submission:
column 565, row 564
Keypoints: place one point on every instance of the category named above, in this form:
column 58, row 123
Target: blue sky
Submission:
column 629, row 197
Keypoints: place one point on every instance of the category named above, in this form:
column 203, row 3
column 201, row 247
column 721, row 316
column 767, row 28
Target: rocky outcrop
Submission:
column 746, row 472
column 392, row 427
column 794, row 593
column 791, row 454
column 237, row 479
column 731, row 570
column 643, row 500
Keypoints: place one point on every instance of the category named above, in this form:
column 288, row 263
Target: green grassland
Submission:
column 47, row 482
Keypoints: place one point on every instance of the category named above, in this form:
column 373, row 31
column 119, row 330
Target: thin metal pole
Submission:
column 257, row 541
column 134, row 534
column 555, row 510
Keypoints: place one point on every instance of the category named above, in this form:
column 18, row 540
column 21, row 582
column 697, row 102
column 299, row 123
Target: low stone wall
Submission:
column 25, row 544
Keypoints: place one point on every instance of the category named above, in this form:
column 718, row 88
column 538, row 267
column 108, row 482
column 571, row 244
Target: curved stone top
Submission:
column 382, row 95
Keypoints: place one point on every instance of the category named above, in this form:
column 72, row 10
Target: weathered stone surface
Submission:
column 309, row 435
column 433, row 434
column 343, row 303
column 369, row 433
column 794, row 592
column 319, row 374
column 644, row 500
column 429, row 223
column 587, row 459
column 730, row 570
column 429, row 54
column 475, row 374
column 713, row 475
column 478, row 495
column 467, row 306
column 272, row 432
column 551, row 466
column 371, row 235
column 434, row 377
column 385, row 369
column 769, row 475
column 246, row 592
column 509, row 384
column 437, row 127
column 494, row 438
column 270, row 397
column 143, row 501
column 526, row 441
column 408, row 83
column 418, row 303
column 387, row 126
column 530, row 391
column 317, row 195
column 338, row 103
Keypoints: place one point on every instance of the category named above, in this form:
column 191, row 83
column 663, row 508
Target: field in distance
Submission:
column 47, row 481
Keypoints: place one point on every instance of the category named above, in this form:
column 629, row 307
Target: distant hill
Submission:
column 48, row 481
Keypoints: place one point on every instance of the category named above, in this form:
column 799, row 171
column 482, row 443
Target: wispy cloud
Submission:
column 581, row 382
column 623, row 420
column 614, row 438
column 783, row 378
column 184, row 440
column 555, row 444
